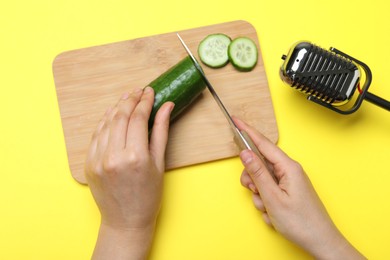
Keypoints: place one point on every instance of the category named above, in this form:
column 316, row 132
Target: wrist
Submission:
column 337, row 247
column 123, row 243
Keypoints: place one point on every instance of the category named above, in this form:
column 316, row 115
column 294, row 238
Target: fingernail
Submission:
column 148, row 90
column 246, row 156
column 108, row 111
column 137, row 91
column 253, row 188
column 125, row 95
column 172, row 107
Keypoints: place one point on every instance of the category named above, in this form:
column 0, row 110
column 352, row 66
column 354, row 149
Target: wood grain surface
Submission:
column 90, row 80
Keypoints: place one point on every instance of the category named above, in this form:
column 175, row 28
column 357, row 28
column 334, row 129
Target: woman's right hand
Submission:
column 290, row 204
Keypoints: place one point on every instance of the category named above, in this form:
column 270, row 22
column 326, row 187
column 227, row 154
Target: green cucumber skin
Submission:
column 181, row 84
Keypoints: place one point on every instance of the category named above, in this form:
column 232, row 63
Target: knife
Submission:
column 241, row 138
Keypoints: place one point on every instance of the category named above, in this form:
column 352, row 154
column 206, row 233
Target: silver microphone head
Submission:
column 320, row 73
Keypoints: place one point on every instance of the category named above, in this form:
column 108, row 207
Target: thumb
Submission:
column 259, row 173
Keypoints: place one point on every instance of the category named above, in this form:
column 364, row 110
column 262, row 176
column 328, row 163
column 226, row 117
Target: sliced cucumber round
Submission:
column 242, row 53
column 212, row 50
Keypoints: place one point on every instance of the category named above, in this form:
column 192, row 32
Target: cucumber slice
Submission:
column 242, row 53
column 212, row 50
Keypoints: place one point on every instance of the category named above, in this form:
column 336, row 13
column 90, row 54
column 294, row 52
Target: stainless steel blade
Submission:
column 241, row 138
column 208, row 84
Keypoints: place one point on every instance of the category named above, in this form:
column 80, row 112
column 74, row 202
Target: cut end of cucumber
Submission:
column 242, row 53
column 212, row 50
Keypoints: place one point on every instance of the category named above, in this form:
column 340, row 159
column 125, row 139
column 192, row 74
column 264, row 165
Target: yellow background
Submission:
column 206, row 214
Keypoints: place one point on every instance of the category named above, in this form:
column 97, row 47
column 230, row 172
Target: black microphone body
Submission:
column 329, row 77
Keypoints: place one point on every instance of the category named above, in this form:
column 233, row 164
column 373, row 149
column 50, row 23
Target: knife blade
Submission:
column 241, row 138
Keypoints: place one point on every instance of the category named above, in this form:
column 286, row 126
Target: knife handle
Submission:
column 251, row 144
column 253, row 148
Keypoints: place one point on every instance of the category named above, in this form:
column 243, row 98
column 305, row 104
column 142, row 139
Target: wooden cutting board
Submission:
column 90, row 80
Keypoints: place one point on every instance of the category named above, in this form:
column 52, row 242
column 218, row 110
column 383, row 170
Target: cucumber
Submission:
column 242, row 53
column 212, row 50
column 181, row 84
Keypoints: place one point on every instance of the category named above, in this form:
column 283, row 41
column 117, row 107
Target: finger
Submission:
column 137, row 132
column 267, row 219
column 269, row 150
column 260, row 175
column 159, row 137
column 266, row 147
column 247, row 182
column 120, row 120
column 258, row 202
column 95, row 136
column 104, row 132
column 94, row 149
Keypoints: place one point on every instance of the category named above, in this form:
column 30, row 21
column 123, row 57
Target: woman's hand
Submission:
column 125, row 173
column 290, row 204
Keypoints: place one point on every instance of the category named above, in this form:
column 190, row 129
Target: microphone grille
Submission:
column 321, row 73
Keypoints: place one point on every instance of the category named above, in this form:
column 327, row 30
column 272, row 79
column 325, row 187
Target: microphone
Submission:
column 329, row 77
